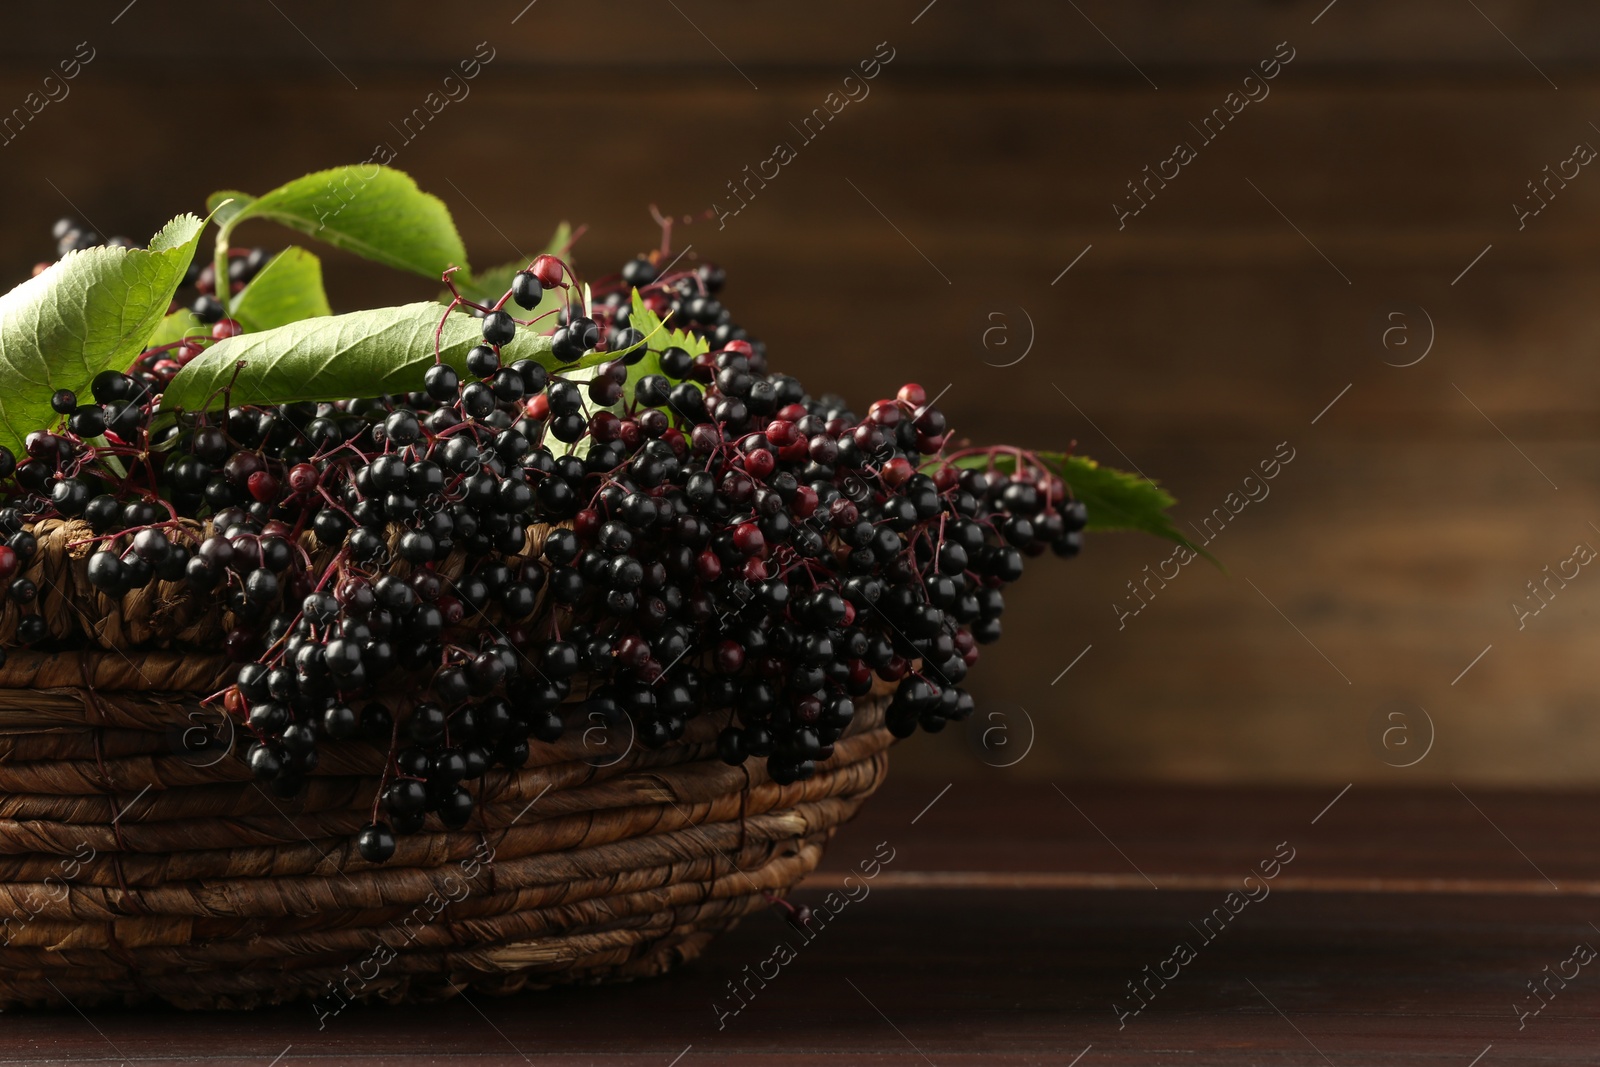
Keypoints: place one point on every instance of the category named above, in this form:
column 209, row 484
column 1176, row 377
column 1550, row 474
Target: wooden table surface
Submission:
column 1398, row 927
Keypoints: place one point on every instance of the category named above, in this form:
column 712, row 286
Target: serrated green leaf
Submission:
column 657, row 339
column 287, row 289
column 375, row 212
column 362, row 354
column 94, row 310
column 1116, row 500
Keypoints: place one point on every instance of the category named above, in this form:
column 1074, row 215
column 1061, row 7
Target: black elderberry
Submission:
column 526, row 290
column 441, row 382
column 565, row 347
column 639, row 272
column 584, row 332
column 499, row 328
column 376, row 843
column 482, row 360
column 403, row 428
column 105, row 571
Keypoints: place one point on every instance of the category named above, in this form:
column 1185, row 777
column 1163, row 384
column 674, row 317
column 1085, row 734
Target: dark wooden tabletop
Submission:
column 1027, row 924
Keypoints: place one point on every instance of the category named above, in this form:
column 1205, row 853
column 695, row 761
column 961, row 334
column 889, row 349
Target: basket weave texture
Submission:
column 137, row 865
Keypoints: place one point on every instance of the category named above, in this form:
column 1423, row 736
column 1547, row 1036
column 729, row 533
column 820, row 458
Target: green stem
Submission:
column 219, row 268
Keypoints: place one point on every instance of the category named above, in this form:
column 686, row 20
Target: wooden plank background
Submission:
column 1253, row 290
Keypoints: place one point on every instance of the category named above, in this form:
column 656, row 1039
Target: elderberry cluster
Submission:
column 458, row 572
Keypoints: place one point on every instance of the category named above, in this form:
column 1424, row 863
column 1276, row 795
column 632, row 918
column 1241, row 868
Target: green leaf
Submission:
column 177, row 326
column 94, row 310
column 222, row 211
column 362, row 354
column 287, row 289
column 658, row 337
column 1116, row 500
column 372, row 211
column 492, row 284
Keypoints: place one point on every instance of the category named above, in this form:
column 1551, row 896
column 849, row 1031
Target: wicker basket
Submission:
column 137, row 865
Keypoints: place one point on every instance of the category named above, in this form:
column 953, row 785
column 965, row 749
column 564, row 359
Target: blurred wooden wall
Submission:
column 1372, row 190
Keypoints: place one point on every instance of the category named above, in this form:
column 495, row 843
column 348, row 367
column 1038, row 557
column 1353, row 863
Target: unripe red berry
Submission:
column 748, row 539
column 759, row 463
column 586, row 524
column 263, row 486
column 225, row 329
column 8, row 562
column 860, row 675
column 547, row 270
column 303, row 477
column 452, row 610
column 898, row 471
column 708, row 566
column 633, row 652
column 884, row 413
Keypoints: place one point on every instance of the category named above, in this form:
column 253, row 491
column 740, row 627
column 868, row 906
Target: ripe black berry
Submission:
column 499, row 328
column 526, row 290
column 376, row 843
